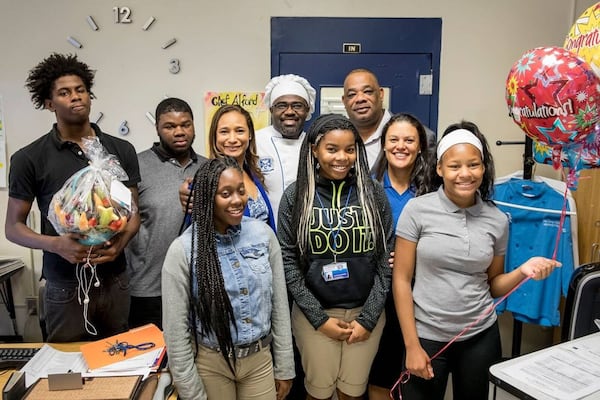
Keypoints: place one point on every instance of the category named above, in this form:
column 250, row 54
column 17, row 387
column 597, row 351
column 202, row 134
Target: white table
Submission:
column 542, row 364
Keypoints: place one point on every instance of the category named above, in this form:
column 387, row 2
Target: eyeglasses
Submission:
column 283, row 106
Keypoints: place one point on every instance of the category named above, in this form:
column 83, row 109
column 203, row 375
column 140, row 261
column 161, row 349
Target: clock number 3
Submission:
column 122, row 15
column 174, row 66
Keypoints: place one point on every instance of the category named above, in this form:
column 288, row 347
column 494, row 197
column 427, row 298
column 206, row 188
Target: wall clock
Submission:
column 123, row 15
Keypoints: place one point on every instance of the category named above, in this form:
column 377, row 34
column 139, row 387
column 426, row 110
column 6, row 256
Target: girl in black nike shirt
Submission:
column 335, row 230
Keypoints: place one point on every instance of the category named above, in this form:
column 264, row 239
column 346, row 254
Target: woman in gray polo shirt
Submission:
column 452, row 241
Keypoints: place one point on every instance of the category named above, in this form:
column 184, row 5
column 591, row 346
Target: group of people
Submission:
column 361, row 245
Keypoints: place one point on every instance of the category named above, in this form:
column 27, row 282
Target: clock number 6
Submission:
column 122, row 15
column 174, row 66
column 124, row 129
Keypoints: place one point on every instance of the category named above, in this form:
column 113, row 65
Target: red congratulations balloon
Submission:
column 553, row 95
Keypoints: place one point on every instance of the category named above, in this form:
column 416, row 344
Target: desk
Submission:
column 518, row 389
column 9, row 267
column 58, row 346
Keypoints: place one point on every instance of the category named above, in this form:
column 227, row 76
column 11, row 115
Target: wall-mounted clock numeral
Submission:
column 151, row 117
column 98, row 118
column 92, row 23
column 124, row 129
column 174, row 66
column 74, row 42
column 122, row 15
column 148, row 22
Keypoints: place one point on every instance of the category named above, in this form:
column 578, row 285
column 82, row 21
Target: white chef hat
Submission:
column 290, row 84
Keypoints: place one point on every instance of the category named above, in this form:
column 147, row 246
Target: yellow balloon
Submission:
column 584, row 37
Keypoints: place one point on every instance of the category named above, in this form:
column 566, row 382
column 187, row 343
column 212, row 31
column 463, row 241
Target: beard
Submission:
column 289, row 132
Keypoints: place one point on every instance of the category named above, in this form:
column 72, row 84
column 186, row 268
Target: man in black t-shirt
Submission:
column 75, row 309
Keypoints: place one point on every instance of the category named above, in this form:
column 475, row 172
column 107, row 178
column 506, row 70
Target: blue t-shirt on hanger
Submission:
column 533, row 232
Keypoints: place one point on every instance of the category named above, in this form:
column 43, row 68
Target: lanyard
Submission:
column 337, row 231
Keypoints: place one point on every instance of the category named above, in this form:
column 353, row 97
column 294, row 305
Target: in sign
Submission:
column 351, row 47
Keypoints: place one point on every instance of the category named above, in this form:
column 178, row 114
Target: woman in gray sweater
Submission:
column 224, row 297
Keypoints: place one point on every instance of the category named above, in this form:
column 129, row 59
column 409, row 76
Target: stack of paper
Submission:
column 94, row 360
column 135, row 361
column 48, row 360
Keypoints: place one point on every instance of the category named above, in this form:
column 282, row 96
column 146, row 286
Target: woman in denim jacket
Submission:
column 224, row 297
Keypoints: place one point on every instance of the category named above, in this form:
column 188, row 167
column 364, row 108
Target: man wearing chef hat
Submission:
column 291, row 100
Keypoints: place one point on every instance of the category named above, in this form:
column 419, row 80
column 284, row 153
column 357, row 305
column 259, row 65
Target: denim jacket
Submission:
column 250, row 259
column 244, row 258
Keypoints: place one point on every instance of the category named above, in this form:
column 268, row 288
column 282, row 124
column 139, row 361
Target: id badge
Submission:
column 335, row 271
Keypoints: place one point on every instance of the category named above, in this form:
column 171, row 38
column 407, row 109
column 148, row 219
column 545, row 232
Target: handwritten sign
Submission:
column 253, row 102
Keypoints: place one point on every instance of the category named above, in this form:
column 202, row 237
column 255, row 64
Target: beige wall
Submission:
column 228, row 48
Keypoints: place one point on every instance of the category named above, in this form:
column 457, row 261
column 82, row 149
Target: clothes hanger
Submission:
column 536, row 209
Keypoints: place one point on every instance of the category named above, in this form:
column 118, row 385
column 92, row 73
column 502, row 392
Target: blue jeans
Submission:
column 108, row 309
column 468, row 361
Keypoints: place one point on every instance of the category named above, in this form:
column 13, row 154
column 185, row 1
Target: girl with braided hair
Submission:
column 224, row 297
column 335, row 231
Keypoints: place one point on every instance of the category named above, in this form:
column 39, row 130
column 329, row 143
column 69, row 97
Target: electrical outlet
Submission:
column 32, row 305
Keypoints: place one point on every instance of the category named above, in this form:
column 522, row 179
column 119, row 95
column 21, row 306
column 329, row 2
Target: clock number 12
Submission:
column 122, row 15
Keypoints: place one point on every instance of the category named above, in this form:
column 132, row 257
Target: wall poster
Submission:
column 253, row 102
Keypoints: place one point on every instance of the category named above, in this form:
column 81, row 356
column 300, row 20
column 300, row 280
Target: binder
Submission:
column 14, row 389
column 96, row 355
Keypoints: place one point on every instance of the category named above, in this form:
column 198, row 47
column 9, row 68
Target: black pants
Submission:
column 468, row 361
column 145, row 310
column 107, row 309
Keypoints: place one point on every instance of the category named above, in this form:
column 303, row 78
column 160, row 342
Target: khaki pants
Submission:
column 253, row 377
column 330, row 364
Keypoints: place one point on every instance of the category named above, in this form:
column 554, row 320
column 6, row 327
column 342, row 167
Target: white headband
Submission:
column 288, row 88
column 456, row 137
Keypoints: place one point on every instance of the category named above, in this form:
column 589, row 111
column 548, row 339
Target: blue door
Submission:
column 401, row 52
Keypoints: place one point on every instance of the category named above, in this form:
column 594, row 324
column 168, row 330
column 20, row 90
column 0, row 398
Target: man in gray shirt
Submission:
column 163, row 168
